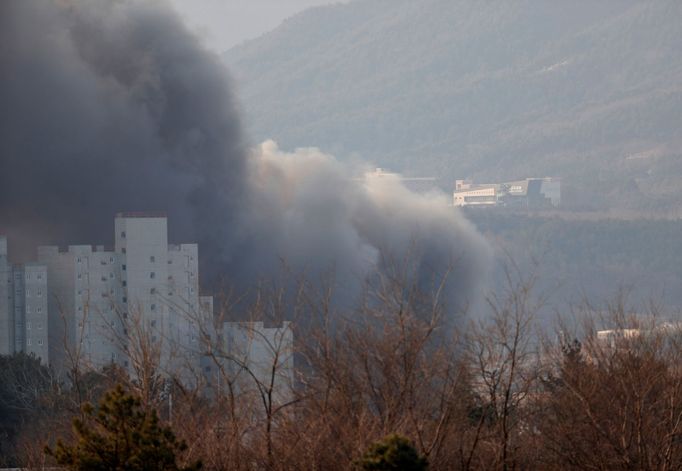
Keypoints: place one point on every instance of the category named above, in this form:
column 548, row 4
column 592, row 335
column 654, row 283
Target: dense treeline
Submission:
column 481, row 394
column 577, row 260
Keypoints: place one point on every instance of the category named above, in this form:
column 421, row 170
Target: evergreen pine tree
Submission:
column 393, row 453
column 120, row 435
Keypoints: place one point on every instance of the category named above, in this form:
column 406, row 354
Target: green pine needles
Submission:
column 393, row 453
column 120, row 435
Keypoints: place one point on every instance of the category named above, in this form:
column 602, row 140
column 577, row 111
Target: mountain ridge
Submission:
column 496, row 90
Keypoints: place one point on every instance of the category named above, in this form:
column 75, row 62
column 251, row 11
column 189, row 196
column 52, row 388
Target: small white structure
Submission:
column 261, row 358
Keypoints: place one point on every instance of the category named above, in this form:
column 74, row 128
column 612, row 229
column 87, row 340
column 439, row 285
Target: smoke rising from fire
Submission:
column 112, row 106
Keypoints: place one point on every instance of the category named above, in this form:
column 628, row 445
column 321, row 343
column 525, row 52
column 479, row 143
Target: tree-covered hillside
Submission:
column 589, row 260
column 588, row 91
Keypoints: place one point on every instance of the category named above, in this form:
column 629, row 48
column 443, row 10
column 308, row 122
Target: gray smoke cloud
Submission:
column 112, row 105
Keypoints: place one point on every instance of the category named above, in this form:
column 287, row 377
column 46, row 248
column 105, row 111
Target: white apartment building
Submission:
column 109, row 304
column 95, row 306
column 23, row 307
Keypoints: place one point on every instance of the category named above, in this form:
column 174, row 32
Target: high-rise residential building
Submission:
column 23, row 307
column 107, row 305
column 137, row 301
column 31, row 310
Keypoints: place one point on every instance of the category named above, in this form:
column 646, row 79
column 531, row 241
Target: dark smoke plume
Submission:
column 112, row 105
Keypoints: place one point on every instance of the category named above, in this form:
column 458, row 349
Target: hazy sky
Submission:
column 225, row 23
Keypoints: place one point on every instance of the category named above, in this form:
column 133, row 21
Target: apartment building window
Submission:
column 28, row 342
column 152, row 259
column 28, row 309
column 152, row 291
column 152, row 275
column 123, row 267
column 80, row 276
column 28, row 292
column 153, row 323
column 40, row 277
column 40, row 293
column 78, row 260
column 111, row 259
column 125, row 300
column 40, row 325
column 123, row 234
column 124, row 283
column 40, row 342
column 123, row 250
column 153, row 307
column 39, row 310
column 28, row 326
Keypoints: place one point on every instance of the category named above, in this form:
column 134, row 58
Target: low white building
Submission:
column 260, row 358
column 536, row 193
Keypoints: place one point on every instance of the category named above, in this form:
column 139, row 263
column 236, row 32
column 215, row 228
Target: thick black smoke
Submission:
column 112, row 105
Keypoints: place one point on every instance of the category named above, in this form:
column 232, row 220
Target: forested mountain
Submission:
column 588, row 91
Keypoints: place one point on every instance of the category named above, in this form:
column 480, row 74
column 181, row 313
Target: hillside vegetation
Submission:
column 588, row 91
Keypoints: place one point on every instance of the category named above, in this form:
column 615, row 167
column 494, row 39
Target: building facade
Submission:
column 531, row 193
column 90, row 307
column 110, row 304
column 23, row 307
column 6, row 301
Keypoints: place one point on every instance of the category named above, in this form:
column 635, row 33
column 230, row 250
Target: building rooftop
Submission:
column 141, row 214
